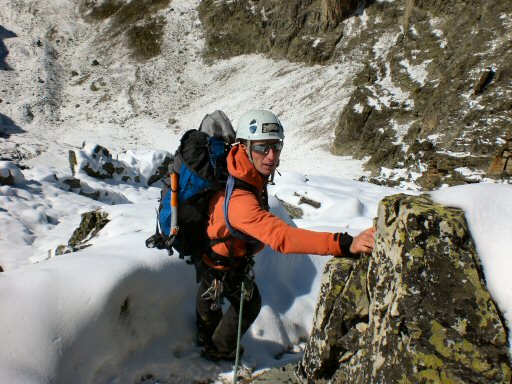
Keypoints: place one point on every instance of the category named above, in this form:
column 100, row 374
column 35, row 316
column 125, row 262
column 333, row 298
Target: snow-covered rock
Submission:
column 10, row 174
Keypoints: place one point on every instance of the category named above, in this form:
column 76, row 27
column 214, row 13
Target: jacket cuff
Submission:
column 345, row 241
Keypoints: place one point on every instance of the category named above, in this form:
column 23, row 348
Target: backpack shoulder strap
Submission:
column 232, row 184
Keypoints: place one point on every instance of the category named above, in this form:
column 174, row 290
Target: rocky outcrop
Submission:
column 136, row 22
column 97, row 162
column 435, row 96
column 101, row 165
column 105, row 195
column 91, row 223
column 10, row 174
column 501, row 164
column 416, row 311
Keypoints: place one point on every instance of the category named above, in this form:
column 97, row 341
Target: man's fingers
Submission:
column 367, row 240
column 364, row 242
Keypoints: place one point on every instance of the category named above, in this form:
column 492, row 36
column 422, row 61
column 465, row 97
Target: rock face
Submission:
column 416, row 311
column 431, row 98
column 501, row 165
column 433, row 94
column 137, row 20
column 300, row 30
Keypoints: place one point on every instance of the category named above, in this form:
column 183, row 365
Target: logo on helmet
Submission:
column 253, row 128
column 269, row 127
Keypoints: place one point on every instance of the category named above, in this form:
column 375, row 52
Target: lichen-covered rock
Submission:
column 430, row 316
column 341, row 314
column 92, row 222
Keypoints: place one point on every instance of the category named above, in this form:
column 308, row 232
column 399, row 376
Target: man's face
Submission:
column 266, row 163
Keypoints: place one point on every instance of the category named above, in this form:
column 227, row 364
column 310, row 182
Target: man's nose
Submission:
column 271, row 155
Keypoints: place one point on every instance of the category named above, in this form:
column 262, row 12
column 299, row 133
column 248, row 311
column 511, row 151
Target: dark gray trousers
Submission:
column 215, row 327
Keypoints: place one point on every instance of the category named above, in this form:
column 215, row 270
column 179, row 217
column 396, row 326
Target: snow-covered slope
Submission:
column 70, row 82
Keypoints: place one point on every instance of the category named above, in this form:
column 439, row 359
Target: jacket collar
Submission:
column 241, row 167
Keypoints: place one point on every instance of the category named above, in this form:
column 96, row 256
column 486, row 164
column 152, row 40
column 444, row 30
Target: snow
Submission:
column 116, row 311
column 386, row 92
column 400, row 130
column 417, row 73
column 66, row 321
column 386, row 41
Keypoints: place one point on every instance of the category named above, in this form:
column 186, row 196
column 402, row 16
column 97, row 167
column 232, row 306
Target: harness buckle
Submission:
column 214, row 294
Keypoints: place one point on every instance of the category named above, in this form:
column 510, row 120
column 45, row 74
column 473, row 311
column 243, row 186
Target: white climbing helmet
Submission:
column 259, row 125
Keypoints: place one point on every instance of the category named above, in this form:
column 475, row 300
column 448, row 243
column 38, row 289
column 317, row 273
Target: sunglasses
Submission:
column 263, row 149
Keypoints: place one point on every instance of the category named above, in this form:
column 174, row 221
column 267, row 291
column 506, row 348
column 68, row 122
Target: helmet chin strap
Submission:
column 250, row 151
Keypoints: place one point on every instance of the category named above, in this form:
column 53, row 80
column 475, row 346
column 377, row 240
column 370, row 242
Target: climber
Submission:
column 249, row 226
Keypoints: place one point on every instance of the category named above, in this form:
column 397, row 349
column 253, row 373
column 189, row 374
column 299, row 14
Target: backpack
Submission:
column 198, row 170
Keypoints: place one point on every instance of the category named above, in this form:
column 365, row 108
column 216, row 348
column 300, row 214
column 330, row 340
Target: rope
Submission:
column 239, row 335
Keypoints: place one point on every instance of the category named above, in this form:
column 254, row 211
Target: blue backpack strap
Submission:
column 230, row 187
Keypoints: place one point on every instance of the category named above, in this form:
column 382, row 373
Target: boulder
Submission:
column 417, row 310
column 92, row 222
column 97, row 162
column 10, row 174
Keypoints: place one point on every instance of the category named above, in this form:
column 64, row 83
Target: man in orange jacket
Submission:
column 250, row 226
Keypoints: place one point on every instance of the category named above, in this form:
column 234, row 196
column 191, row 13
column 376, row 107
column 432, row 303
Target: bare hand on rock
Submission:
column 364, row 242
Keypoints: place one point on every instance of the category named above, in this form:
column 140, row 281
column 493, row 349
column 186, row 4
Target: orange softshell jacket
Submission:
column 246, row 215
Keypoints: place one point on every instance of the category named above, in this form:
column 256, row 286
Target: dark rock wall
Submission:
column 457, row 114
column 435, row 91
column 282, row 29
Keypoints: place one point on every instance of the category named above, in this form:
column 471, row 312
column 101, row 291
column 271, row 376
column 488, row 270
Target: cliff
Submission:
column 433, row 91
